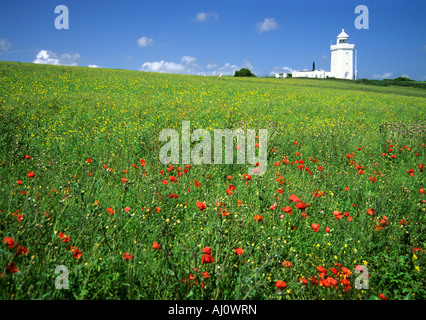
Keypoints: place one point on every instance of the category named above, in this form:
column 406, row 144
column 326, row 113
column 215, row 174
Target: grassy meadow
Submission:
column 342, row 204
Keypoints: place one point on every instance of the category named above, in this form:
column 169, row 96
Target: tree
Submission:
column 402, row 79
column 244, row 72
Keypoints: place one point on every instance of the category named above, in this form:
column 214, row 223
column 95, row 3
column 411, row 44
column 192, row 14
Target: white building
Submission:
column 343, row 64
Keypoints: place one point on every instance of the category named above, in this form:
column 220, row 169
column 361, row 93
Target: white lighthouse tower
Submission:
column 343, row 65
column 342, row 58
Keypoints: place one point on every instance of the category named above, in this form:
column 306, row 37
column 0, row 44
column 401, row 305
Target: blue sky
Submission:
column 213, row 37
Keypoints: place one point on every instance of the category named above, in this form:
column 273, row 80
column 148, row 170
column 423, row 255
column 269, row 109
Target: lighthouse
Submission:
column 343, row 65
column 342, row 58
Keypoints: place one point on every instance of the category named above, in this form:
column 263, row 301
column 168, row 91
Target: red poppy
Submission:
column 273, row 207
column 19, row 182
column 205, row 274
column 9, row 242
column 332, row 281
column 229, row 178
column 156, row 246
column 280, row 284
column 89, row 160
column 197, row 183
column 287, row 264
column 11, row 268
column 337, row 215
column 403, row 222
column 127, row 256
column 346, row 272
column 207, row 259
column 287, row 209
column 315, row 227
column 21, row 250
column 110, row 211
column 294, row 198
column 313, row 280
column 201, row 205
column 77, row 253
column 382, row 296
column 65, row 238
column 231, row 187
column 370, row 211
column 327, row 229
column 207, row 250
column 301, row 206
column 124, row 180
column 334, row 271
column 258, row 217
column 27, row 157
column 239, row 251
column 322, row 269
column 229, row 192
column 31, row 174
column 373, row 179
column 157, row 209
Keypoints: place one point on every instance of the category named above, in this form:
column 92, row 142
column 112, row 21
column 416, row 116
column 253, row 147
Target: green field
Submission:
column 343, row 188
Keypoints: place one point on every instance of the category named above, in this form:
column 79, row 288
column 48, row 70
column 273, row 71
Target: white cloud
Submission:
column 94, row 66
column 204, row 16
column 227, row 70
column 278, row 70
column 188, row 65
column 267, row 25
column 5, row 45
column 188, row 60
column 163, row 67
column 385, row 75
column 50, row 57
column 145, row 42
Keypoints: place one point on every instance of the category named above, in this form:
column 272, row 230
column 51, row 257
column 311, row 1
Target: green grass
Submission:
column 62, row 116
